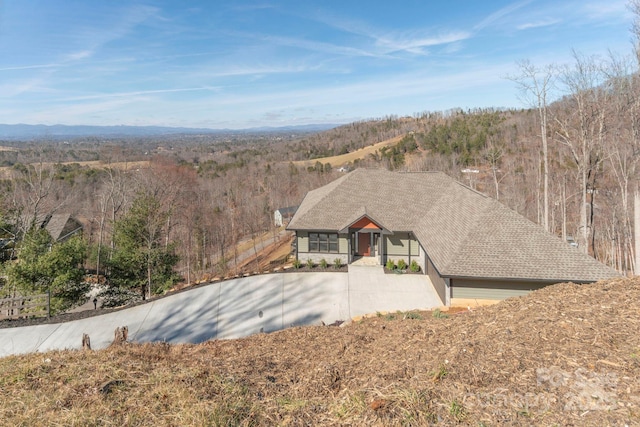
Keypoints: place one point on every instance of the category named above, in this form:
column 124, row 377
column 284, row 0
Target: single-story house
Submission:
column 283, row 215
column 470, row 245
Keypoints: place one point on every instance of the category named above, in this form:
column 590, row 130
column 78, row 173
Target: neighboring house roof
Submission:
column 59, row 226
column 288, row 211
column 465, row 233
column 56, row 224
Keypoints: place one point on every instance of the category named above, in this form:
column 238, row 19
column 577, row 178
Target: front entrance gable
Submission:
column 365, row 233
column 365, row 223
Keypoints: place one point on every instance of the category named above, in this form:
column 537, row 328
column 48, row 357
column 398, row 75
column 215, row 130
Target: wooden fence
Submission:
column 20, row 307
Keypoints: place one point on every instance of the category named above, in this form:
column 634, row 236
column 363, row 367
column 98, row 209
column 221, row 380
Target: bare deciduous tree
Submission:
column 581, row 129
column 535, row 85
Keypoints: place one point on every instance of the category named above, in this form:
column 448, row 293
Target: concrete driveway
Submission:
column 237, row 308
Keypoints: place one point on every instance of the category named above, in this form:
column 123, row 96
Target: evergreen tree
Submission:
column 142, row 261
column 44, row 266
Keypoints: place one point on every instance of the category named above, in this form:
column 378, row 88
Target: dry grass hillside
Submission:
column 344, row 159
column 564, row 355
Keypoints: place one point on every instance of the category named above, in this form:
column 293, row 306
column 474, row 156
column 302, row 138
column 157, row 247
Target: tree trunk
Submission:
column 584, row 232
column 545, row 162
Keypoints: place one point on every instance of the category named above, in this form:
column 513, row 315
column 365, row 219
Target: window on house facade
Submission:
column 323, row 242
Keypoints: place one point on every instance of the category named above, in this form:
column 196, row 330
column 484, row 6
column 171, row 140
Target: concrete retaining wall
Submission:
column 237, row 308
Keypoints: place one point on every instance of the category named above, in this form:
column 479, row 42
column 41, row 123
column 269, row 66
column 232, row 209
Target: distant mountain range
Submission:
column 22, row 131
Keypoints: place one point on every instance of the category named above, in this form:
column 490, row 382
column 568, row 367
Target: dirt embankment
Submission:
column 565, row 355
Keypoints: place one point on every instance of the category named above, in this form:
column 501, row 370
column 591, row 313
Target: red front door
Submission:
column 364, row 244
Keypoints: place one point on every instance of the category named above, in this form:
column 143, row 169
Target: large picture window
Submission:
column 323, row 242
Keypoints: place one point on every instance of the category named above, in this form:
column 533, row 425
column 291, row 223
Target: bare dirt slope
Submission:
column 273, row 255
column 564, row 355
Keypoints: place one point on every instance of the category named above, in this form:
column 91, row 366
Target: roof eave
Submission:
column 536, row 280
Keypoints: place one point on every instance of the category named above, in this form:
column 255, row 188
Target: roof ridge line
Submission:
column 473, row 189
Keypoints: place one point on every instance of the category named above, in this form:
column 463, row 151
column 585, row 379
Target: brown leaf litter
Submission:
column 564, row 355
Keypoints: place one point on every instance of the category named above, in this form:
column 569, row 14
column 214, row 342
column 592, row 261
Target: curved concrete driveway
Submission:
column 237, row 308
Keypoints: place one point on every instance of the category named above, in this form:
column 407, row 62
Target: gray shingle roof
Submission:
column 288, row 211
column 465, row 233
column 58, row 225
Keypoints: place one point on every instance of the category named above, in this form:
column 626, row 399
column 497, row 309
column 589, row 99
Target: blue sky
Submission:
column 238, row 64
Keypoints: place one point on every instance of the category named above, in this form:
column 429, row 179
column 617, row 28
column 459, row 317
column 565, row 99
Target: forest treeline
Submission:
column 159, row 211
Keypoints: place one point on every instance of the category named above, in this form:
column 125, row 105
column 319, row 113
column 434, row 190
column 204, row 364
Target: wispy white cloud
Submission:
column 575, row 13
column 92, row 39
column 138, row 93
column 257, row 108
column 452, row 48
column 612, row 8
column 370, row 96
column 239, row 70
column 538, row 24
column 76, row 113
column 388, row 42
column 68, row 62
column 317, row 46
column 18, row 88
column 86, row 43
column 9, row 91
column 416, row 43
column 351, row 26
column 499, row 14
column 253, row 6
column 77, row 56
column 381, row 88
column 30, row 67
column 131, row 17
